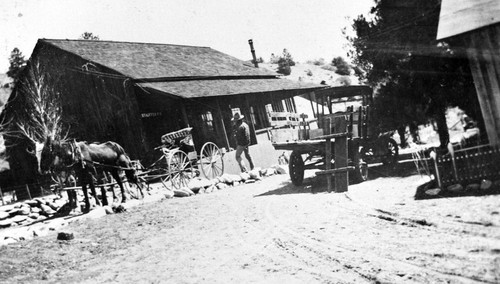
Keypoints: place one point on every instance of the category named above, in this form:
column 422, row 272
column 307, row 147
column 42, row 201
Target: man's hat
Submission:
column 237, row 116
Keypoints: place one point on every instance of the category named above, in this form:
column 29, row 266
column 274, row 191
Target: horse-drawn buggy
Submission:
column 343, row 141
column 177, row 164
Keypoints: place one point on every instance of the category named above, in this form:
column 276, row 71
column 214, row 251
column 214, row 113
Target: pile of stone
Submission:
column 203, row 185
column 483, row 187
column 29, row 211
column 19, row 217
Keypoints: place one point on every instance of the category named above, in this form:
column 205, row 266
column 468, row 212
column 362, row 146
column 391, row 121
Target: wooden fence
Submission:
column 469, row 165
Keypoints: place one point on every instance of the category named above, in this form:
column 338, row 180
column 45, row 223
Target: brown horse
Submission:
column 84, row 158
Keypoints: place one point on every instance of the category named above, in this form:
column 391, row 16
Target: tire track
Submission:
column 352, row 256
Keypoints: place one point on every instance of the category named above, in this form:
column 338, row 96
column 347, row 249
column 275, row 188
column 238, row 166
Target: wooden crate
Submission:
column 469, row 165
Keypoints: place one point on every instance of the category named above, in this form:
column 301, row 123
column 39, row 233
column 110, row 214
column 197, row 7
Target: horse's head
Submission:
column 34, row 151
column 52, row 155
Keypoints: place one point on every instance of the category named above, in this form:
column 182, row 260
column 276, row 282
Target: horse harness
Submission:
column 76, row 157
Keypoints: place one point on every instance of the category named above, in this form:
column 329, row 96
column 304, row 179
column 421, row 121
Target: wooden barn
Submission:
column 133, row 93
column 474, row 26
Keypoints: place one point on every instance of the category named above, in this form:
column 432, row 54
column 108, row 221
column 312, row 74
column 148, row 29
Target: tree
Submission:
column 32, row 113
column 17, row 64
column 285, row 61
column 89, row 36
column 408, row 67
column 343, row 67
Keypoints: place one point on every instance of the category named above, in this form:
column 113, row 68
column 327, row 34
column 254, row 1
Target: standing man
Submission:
column 242, row 133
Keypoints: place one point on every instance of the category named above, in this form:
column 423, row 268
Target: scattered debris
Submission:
column 64, row 236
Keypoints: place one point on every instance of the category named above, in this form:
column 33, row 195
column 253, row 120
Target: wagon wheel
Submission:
column 391, row 152
column 180, row 169
column 211, row 162
column 360, row 173
column 296, row 168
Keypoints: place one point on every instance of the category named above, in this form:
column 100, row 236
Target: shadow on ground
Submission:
column 317, row 184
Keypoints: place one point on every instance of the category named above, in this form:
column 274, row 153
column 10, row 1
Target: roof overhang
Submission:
column 191, row 89
column 458, row 17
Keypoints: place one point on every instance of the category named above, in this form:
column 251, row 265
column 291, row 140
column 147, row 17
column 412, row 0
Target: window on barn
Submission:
column 278, row 106
column 208, row 120
column 289, row 105
column 259, row 116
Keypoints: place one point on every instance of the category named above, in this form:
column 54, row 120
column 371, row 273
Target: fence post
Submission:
column 340, row 146
column 433, row 156
column 28, row 190
column 328, row 152
column 1, row 196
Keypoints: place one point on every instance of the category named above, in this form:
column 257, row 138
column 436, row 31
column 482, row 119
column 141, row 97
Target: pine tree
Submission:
column 17, row 64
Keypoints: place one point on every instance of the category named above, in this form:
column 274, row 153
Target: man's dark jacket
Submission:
column 243, row 134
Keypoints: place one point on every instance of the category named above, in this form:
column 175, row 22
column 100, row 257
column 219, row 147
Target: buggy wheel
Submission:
column 296, row 168
column 180, row 169
column 391, row 152
column 211, row 162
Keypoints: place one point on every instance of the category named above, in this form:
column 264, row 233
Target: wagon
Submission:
column 342, row 117
column 179, row 162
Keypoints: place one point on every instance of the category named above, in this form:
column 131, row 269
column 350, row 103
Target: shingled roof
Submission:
column 165, row 67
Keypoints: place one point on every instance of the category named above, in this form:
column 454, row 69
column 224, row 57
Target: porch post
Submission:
column 252, row 126
column 219, row 112
column 184, row 114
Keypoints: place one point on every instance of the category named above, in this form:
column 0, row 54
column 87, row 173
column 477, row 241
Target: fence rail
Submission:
column 470, row 165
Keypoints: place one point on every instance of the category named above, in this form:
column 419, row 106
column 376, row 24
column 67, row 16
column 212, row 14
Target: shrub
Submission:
column 284, row 69
column 285, row 61
column 259, row 60
column 317, row 62
column 343, row 67
column 343, row 81
column 309, row 72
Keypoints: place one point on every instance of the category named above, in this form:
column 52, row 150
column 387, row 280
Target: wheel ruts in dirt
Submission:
column 211, row 162
column 296, row 168
column 180, row 169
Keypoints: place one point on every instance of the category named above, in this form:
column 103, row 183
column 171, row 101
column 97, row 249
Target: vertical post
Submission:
column 184, row 115
column 1, row 196
column 328, row 153
column 223, row 124
column 253, row 136
column 312, row 106
column 340, row 150
column 28, row 190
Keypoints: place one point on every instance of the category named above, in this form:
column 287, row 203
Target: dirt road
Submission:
column 272, row 232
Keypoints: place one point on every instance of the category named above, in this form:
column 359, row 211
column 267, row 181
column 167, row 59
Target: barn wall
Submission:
column 98, row 103
column 484, row 57
column 160, row 114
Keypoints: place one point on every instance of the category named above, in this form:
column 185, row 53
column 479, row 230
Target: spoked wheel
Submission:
column 391, row 152
column 360, row 173
column 180, row 169
column 211, row 162
column 296, row 168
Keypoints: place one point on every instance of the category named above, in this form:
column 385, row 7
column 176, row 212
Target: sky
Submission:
column 308, row 29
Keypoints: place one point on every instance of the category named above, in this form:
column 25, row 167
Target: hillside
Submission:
column 311, row 73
